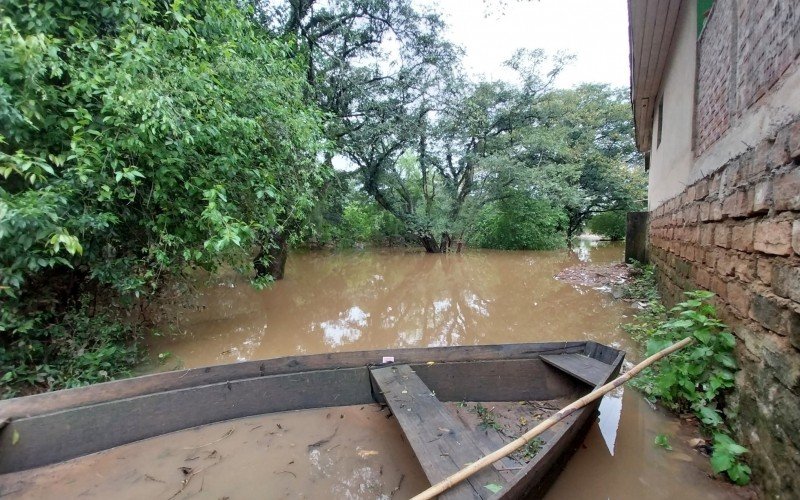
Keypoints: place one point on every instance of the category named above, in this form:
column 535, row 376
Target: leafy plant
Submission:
column 531, row 448
column 520, row 222
column 697, row 377
column 725, row 458
column 486, row 417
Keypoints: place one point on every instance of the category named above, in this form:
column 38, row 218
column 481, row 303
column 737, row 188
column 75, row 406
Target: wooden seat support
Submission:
column 584, row 368
column 442, row 444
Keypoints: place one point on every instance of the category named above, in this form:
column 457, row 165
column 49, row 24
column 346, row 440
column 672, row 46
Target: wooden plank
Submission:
column 120, row 389
column 442, row 444
column 582, row 367
column 534, row 479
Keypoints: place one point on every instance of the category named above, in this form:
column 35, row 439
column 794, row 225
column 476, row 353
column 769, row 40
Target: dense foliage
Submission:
column 696, row 378
column 611, row 225
column 138, row 139
column 520, row 222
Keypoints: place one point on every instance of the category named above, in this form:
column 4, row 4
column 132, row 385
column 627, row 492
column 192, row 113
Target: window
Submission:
column 660, row 120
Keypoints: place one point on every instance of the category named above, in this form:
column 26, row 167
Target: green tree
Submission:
column 139, row 138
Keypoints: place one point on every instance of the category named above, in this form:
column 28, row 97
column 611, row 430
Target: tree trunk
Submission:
column 271, row 259
column 432, row 246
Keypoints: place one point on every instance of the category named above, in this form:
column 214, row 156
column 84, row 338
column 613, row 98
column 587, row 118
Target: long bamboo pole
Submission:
column 521, row 441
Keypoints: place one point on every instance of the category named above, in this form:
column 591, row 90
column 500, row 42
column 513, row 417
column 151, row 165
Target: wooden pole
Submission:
column 521, row 441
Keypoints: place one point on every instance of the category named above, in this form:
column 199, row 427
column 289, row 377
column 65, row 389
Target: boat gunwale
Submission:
column 284, row 373
column 50, row 402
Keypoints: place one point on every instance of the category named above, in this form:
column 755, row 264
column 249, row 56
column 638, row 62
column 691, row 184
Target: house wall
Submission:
column 671, row 161
column 725, row 208
column 739, row 102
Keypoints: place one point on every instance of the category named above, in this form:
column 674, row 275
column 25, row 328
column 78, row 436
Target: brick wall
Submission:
column 736, row 232
column 745, row 47
column 714, row 70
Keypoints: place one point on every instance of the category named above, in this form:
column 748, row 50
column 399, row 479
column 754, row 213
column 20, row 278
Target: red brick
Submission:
column 767, row 310
column 796, row 236
column 738, row 298
column 786, row 190
column 742, row 237
column 762, row 197
column 719, row 286
column 707, row 235
column 773, row 237
column 713, row 185
column 779, row 153
column 722, row 236
column 726, row 265
column 764, row 270
column 712, row 256
column 744, row 267
column 701, row 189
column 786, row 280
column 692, row 214
column 689, row 194
column 705, row 211
column 762, row 154
column 716, row 211
column 703, row 278
column 738, row 204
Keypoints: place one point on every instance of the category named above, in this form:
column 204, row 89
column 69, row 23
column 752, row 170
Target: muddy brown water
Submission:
column 373, row 300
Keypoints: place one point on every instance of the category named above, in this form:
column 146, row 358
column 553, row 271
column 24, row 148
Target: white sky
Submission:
column 595, row 31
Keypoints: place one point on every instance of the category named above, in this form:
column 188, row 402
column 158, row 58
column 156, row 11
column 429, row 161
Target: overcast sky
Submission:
column 595, row 31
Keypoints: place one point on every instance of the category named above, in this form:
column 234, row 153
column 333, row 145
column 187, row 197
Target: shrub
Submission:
column 521, row 223
column 612, row 225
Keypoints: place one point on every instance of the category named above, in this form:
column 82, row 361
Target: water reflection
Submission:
column 389, row 299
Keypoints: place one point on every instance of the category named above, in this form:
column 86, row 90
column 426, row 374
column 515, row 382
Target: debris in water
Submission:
column 603, row 277
column 227, row 434
column 366, row 453
column 323, row 441
column 399, row 484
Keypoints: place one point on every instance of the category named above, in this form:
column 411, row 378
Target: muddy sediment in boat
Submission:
column 340, row 452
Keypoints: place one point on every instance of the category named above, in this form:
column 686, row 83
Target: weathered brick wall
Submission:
column 745, row 47
column 714, row 70
column 736, row 232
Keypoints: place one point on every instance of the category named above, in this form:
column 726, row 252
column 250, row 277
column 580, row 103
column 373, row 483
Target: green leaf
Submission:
column 709, row 416
column 662, row 440
column 493, row 487
column 721, row 462
column 14, row 437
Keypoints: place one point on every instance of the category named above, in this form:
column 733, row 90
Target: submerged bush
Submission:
column 612, row 225
column 520, row 222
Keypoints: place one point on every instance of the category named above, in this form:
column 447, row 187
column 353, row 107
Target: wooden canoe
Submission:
column 53, row 427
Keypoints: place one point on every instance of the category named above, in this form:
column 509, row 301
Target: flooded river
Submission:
column 374, row 300
column 390, row 299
